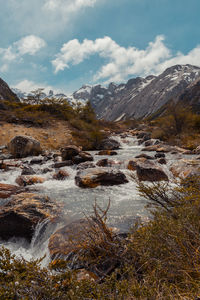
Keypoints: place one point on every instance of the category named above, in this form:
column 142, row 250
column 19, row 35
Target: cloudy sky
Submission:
column 63, row 44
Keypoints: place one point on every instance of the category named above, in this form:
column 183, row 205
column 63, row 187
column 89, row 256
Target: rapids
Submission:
column 125, row 203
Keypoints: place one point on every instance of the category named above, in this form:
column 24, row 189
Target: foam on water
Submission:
column 125, row 203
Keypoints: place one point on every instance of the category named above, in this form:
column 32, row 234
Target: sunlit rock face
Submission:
column 6, row 93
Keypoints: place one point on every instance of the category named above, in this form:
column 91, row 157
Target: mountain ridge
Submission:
column 138, row 97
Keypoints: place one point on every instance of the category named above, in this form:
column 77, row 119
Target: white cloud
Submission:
column 27, row 86
column 123, row 62
column 30, row 44
column 68, row 6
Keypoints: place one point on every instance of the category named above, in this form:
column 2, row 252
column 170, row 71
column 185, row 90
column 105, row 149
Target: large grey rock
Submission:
column 20, row 216
column 109, row 144
column 69, row 152
column 93, row 177
column 23, row 146
column 149, row 171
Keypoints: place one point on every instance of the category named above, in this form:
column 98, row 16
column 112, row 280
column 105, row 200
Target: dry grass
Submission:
column 54, row 137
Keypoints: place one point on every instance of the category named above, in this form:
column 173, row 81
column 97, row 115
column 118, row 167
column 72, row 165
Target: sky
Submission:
column 64, row 44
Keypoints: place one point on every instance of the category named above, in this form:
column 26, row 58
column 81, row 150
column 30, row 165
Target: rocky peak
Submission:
column 6, row 93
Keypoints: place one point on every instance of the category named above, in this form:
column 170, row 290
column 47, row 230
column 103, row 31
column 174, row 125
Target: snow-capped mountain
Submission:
column 137, row 98
column 141, row 97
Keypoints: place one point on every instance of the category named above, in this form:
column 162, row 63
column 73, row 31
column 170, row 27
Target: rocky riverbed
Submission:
column 42, row 195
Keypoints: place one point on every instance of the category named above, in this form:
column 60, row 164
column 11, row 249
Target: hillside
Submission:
column 6, row 93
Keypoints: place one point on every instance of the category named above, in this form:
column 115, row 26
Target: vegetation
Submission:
column 158, row 260
column 177, row 124
column 86, row 129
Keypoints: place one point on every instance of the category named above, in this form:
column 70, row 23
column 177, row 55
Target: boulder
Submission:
column 107, row 163
column 91, row 178
column 144, row 135
column 25, row 180
column 107, row 152
column 132, row 164
column 68, row 239
column 62, row 164
column 36, row 161
column 143, row 155
column 197, row 150
column 85, row 165
column 60, row 175
column 148, row 143
column 69, row 152
column 46, row 170
column 82, row 157
column 23, row 146
column 28, row 171
column 22, row 214
column 149, row 171
column 6, row 190
column 160, row 155
column 109, row 144
column 185, row 167
column 151, row 148
column 162, row 161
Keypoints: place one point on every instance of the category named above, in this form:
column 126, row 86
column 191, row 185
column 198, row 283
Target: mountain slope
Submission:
column 6, row 93
column 142, row 97
column 139, row 97
column 191, row 95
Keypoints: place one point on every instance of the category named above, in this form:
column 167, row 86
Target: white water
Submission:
column 125, row 203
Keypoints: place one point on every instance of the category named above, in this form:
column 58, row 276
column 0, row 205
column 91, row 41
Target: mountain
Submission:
column 191, row 95
column 139, row 97
column 6, row 93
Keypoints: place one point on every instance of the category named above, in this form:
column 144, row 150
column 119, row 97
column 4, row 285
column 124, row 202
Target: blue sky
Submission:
column 63, row 44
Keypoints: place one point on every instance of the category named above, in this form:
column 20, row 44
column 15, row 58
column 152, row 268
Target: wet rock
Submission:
column 165, row 149
column 149, row 171
column 47, row 170
column 36, row 161
column 60, row 175
column 140, row 142
column 68, row 239
column 5, row 156
column 144, row 135
column 185, row 167
column 69, row 152
column 132, row 164
column 160, row 155
column 197, row 150
column 6, row 190
column 28, row 171
column 91, row 178
column 23, row 146
column 62, row 164
column 162, row 161
column 85, row 165
column 109, row 144
column 4, row 166
column 82, row 157
column 151, row 148
column 104, row 163
column 23, row 212
column 148, row 143
column 107, row 152
column 143, row 155
column 25, row 180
